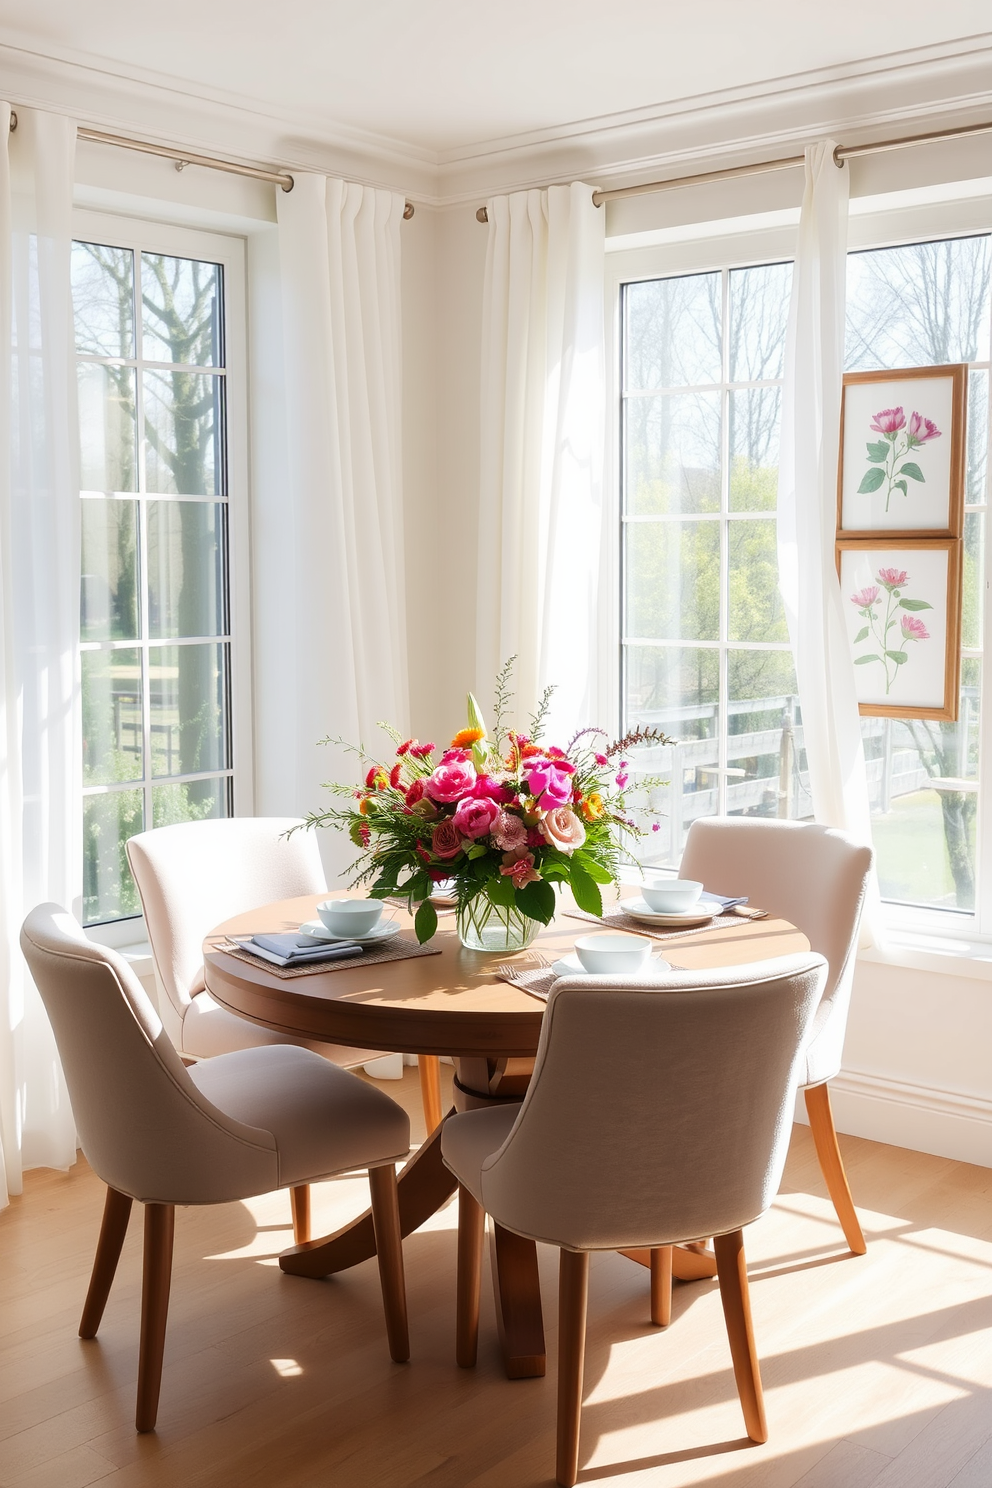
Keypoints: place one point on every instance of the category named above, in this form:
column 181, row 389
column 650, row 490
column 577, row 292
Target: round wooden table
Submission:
column 453, row 1004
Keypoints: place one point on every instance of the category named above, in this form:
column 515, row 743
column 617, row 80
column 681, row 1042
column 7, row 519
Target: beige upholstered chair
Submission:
column 232, row 1127
column 816, row 877
column 193, row 876
column 707, row 1064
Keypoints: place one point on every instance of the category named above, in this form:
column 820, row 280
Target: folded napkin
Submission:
column 537, row 980
column 706, row 898
column 296, row 949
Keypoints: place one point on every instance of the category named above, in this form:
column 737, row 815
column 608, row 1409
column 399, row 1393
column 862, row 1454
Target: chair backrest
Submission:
column 815, row 877
column 193, row 875
column 143, row 1125
column 657, row 1113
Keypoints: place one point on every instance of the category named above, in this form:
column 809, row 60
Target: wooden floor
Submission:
column 878, row 1370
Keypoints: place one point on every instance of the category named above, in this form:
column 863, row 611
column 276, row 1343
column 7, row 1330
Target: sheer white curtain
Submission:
column 40, row 751
column 329, row 548
column 543, row 421
column 807, row 501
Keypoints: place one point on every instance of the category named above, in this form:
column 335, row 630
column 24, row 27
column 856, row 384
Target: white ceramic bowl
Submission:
column 350, row 916
column 612, row 954
column 671, row 896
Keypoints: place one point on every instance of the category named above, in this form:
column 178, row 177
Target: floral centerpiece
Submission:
column 498, row 817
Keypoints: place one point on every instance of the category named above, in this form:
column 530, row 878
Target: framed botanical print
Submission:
column 902, row 454
column 902, row 602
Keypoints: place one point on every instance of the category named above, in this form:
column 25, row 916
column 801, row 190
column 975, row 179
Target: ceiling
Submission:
column 445, row 75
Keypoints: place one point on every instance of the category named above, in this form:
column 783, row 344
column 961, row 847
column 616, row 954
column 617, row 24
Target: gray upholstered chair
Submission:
column 816, row 877
column 707, row 1065
column 230, row 1128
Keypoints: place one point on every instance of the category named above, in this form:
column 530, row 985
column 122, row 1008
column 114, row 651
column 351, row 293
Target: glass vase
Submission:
column 484, row 926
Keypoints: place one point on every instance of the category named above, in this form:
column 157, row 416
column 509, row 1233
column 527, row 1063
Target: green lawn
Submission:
column 912, row 856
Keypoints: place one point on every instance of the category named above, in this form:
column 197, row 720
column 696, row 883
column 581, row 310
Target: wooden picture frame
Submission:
column 906, row 593
column 902, row 438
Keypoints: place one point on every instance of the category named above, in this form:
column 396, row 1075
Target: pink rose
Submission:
column 520, row 867
column 452, row 779
column 548, row 781
column 487, row 786
column 474, row 816
column 446, row 840
column 889, row 421
column 509, row 832
column 921, row 429
column 562, row 829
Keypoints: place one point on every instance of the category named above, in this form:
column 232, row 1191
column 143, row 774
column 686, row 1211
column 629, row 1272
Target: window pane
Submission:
column 188, row 705
column 673, row 580
column 109, row 588
column 978, row 439
column 108, row 888
column 181, row 302
column 923, row 813
column 190, row 800
column 759, row 310
column 672, row 453
column 185, row 568
column 973, row 585
column 111, row 698
column 107, row 460
column 673, row 332
column 183, row 421
column 919, row 305
column 766, row 763
column 103, row 299
column 755, row 604
column 755, row 415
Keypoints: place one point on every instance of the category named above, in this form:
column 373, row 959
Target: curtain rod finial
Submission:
column 408, row 210
column 13, row 120
column 482, row 215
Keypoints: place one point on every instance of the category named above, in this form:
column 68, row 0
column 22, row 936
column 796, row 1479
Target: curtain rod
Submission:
column 184, row 158
column 790, row 162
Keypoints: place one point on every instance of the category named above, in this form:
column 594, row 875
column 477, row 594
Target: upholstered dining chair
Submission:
column 815, row 877
column 194, row 875
column 232, row 1127
column 707, row 1063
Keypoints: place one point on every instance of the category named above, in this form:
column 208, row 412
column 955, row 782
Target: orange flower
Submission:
column 365, row 806
column 529, row 750
column 465, row 738
column 592, row 807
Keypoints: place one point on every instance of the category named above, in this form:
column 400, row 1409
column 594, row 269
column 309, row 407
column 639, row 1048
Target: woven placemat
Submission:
column 398, row 950
column 619, row 919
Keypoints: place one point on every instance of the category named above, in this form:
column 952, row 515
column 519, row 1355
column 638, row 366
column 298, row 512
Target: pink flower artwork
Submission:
column 865, row 597
column 889, row 421
column 914, row 629
column 884, row 619
column 887, row 461
column 921, row 429
column 893, row 578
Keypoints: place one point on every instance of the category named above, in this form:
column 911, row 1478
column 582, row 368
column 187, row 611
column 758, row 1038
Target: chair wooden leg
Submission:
column 661, row 1286
column 471, row 1234
column 299, row 1198
column 821, row 1124
column 156, row 1278
column 389, row 1252
column 573, row 1293
column 430, row 1089
column 116, row 1213
column 731, row 1268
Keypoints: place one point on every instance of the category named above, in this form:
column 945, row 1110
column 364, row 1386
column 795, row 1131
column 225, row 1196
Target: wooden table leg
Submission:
column 423, row 1186
column 517, row 1288
column 687, row 1264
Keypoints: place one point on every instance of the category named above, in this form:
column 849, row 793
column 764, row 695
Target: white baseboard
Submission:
column 916, row 1116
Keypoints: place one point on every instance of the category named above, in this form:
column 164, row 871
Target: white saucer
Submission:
column 638, row 910
column 385, row 930
column 571, row 966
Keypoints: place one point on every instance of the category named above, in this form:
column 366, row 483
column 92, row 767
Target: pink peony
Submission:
column 509, row 832
column 889, row 421
column 913, row 629
column 487, row 786
column 474, row 816
column 892, row 578
column 548, row 781
column 452, row 779
column 866, row 597
column 921, row 429
column 446, row 840
column 520, row 867
column 562, row 829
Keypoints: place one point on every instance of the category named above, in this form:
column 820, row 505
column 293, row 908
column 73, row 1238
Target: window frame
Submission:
column 957, row 209
column 141, row 234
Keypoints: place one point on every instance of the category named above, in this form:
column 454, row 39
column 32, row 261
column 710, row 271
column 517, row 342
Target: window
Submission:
column 155, row 595
column 704, row 652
